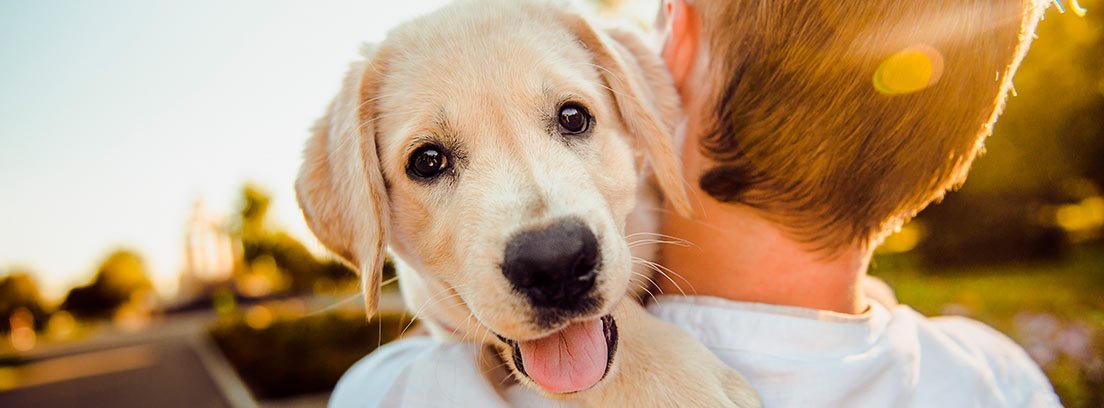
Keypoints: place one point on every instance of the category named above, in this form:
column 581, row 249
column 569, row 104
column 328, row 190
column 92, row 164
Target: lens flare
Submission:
column 1077, row 9
column 909, row 70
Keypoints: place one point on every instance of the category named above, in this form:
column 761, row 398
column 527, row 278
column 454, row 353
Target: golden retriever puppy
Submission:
column 498, row 149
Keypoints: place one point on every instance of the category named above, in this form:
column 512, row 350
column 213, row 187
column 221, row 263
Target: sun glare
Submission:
column 910, row 70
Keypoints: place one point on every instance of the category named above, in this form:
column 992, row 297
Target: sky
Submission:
column 116, row 116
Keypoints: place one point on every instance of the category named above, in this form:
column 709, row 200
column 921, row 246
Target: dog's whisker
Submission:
column 667, row 272
column 641, row 288
column 601, row 68
column 645, row 241
column 344, row 142
column 643, row 275
column 441, row 300
column 501, row 363
column 633, row 244
column 611, row 90
column 427, row 303
column 465, row 335
column 662, row 270
column 367, row 101
column 495, row 367
column 415, row 318
column 361, row 126
column 483, row 339
column 433, row 301
column 689, row 187
column 472, row 335
column 676, row 274
column 660, row 210
column 659, row 235
column 659, row 239
column 657, row 270
column 644, row 287
column 336, row 304
column 701, row 222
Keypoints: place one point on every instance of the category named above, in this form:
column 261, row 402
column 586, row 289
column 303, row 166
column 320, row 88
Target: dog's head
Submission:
column 495, row 148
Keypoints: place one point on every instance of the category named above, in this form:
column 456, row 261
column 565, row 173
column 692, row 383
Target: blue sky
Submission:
column 116, row 116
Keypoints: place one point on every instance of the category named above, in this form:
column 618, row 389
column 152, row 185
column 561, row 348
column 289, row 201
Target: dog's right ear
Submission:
column 628, row 67
column 340, row 186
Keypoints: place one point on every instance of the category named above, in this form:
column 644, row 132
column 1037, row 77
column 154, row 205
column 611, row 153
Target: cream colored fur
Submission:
column 485, row 78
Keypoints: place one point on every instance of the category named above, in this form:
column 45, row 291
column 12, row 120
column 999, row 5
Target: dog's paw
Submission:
column 739, row 392
column 657, row 364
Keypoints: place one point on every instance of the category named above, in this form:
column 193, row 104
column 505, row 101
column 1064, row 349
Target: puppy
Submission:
column 496, row 147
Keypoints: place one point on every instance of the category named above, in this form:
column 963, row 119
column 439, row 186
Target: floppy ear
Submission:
column 340, row 187
column 645, row 96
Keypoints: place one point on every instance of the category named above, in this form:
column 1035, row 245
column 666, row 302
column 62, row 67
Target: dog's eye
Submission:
column 428, row 162
column 573, row 119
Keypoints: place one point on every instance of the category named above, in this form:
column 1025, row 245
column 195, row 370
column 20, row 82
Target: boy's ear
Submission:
column 680, row 47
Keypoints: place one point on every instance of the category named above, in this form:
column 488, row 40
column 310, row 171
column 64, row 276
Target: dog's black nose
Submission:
column 554, row 266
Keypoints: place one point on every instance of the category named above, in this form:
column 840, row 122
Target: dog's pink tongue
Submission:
column 571, row 359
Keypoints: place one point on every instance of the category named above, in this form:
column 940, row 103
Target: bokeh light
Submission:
column 909, row 70
column 61, row 325
column 22, row 334
column 903, row 240
column 258, row 317
column 1083, row 217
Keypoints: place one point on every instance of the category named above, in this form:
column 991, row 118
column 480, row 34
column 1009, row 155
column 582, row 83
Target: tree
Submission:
column 292, row 259
column 121, row 276
column 18, row 290
column 255, row 203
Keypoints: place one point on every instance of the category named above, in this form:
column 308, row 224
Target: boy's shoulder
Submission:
column 971, row 346
column 888, row 356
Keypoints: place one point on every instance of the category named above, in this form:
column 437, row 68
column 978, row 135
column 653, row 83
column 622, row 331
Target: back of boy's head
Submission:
column 840, row 120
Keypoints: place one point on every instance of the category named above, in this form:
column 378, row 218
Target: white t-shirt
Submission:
column 794, row 357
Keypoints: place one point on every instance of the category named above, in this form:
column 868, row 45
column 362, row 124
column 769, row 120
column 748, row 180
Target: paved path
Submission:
column 171, row 365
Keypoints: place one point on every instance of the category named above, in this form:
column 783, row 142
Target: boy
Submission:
column 815, row 128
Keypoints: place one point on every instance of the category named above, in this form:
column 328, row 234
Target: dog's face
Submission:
column 509, row 174
column 494, row 149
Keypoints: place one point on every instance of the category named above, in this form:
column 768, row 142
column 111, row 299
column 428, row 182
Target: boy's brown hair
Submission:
column 807, row 131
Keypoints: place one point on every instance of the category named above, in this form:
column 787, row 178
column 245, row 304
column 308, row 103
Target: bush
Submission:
column 304, row 355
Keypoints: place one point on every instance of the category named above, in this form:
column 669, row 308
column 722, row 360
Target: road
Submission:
column 171, row 365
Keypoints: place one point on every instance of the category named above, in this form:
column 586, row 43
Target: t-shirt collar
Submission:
column 805, row 333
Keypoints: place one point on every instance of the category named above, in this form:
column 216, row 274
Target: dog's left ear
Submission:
column 340, row 186
column 646, row 99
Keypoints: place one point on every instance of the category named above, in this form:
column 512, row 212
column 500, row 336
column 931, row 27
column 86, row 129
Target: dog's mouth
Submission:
column 571, row 359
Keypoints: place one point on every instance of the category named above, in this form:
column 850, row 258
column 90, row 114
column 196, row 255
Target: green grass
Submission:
column 1041, row 306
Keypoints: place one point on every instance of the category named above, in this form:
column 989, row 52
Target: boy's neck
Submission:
column 737, row 255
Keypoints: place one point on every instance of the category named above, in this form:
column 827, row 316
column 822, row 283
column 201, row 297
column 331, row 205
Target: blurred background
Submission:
column 151, row 250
